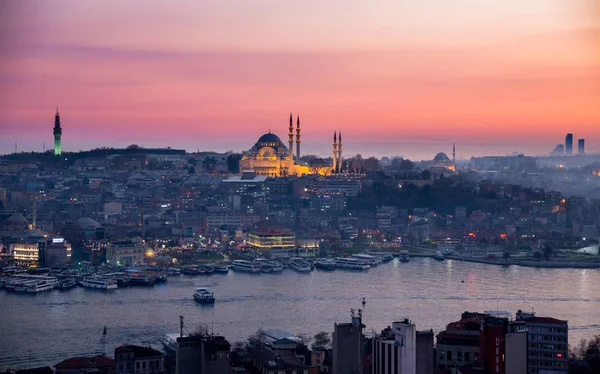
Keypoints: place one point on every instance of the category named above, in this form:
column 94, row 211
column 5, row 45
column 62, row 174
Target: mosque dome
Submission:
column 17, row 219
column 269, row 138
column 441, row 157
column 87, row 223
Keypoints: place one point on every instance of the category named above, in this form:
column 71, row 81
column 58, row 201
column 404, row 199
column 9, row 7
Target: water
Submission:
column 45, row 328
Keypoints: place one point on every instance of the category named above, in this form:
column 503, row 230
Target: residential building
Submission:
column 548, row 345
column 202, row 355
column 348, row 346
column 134, row 359
column 100, row 364
column 395, row 350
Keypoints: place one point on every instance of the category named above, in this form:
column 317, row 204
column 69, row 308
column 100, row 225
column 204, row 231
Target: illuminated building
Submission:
column 43, row 251
column 129, row 252
column 57, row 134
column 569, row 144
column 270, row 157
column 278, row 243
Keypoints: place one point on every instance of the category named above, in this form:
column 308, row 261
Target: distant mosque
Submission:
column 270, row 157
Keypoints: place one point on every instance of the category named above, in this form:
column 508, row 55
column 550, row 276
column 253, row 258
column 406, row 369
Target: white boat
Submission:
column 439, row 256
column 204, row 296
column 268, row 266
column 247, row 266
column 223, row 269
column 351, row 263
column 173, row 271
column 299, row 264
column 100, row 283
column 369, row 259
column 41, row 286
column 404, row 255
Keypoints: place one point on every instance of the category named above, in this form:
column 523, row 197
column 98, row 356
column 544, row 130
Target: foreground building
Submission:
column 202, row 355
column 349, row 345
column 134, row 359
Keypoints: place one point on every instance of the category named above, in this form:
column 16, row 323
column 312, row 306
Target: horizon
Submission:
column 491, row 77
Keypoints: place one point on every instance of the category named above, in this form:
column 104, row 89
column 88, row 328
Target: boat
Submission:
column 351, row 263
column 439, row 256
column 142, row 279
column 205, row 269
column 299, row 264
column 222, row 269
column 387, row 257
column 190, row 270
column 369, row 259
column 161, row 277
column 325, row 264
column 66, row 284
column 44, row 285
column 204, row 296
column 404, row 255
column 121, row 278
column 270, row 266
column 99, row 283
column 247, row 266
column 173, row 271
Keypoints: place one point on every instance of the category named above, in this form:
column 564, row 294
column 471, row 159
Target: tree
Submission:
column 322, row 339
column 304, row 339
column 233, row 162
column 257, row 340
column 200, row 331
column 547, row 250
column 209, row 164
column 407, row 165
column 585, row 357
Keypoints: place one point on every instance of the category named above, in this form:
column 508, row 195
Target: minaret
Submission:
column 334, row 152
column 339, row 158
column 454, row 156
column 298, row 138
column 57, row 134
column 104, row 341
column 291, row 139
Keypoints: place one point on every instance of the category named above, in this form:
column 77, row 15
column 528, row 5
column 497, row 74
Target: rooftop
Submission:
column 138, row 351
column 85, row 362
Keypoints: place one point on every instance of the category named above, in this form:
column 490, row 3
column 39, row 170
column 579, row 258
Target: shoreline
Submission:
column 535, row 264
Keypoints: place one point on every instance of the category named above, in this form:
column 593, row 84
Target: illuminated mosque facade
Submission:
column 270, row 157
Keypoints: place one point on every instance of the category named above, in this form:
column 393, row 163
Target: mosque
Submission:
column 270, row 157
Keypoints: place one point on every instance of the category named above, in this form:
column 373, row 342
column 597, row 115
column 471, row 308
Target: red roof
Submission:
column 86, row 362
column 547, row 320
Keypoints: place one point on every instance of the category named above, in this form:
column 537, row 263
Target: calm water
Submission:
column 48, row 327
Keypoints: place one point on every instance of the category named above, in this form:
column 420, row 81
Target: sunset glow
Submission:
column 199, row 74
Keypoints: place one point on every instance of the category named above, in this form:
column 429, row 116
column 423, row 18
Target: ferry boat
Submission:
column 122, row 279
column 190, row 270
column 44, row 285
column 404, row 255
column 66, row 284
column 387, row 257
column 142, row 279
column 299, row 264
column 173, row 271
column 439, row 256
column 247, row 266
column 222, row 269
column 351, row 263
column 267, row 266
column 205, row 270
column 325, row 264
column 99, row 283
column 369, row 259
column 204, row 296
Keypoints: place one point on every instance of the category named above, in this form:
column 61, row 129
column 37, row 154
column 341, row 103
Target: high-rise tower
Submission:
column 334, row 152
column 291, row 139
column 581, row 147
column 569, row 144
column 339, row 157
column 454, row 156
column 57, row 134
column 298, row 139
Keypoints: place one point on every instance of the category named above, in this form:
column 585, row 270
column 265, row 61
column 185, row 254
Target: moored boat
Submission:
column 66, row 284
column 351, row 263
column 99, row 283
column 43, row 285
column 439, row 256
column 222, row 269
column 325, row 264
column 368, row 259
column 269, row 265
column 404, row 255
column 247, row 266
column 299, row 264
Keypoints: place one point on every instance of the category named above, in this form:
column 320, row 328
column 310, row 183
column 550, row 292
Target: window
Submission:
column 467, row 356
column 137, row 366
column 449, row 355
column 459, row 356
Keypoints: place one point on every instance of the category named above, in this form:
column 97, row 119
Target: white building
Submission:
column 129, row 252
column 395, row 351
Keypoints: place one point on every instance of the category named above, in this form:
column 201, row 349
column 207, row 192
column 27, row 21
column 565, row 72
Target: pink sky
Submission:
column 493, row 76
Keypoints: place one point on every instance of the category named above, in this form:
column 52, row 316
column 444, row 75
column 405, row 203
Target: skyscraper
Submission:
column 57, row 134
column 569, row 144
column 581, row 146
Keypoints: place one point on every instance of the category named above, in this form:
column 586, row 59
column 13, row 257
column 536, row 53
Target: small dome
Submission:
column 269, row 138
column 441, row 157
column 17, row 219
column 87, row 223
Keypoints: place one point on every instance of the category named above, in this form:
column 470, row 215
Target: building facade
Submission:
column 129, row 252
column 133, row 359
column 395, row 350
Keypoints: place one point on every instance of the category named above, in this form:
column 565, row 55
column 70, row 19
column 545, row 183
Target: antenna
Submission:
column 181, row 326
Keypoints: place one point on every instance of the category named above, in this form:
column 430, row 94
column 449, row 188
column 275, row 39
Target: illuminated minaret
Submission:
column 298, row 139
column 57, row 134
column 334, row 152
column 291, row 139
column 339, row 158
column 454, row 156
